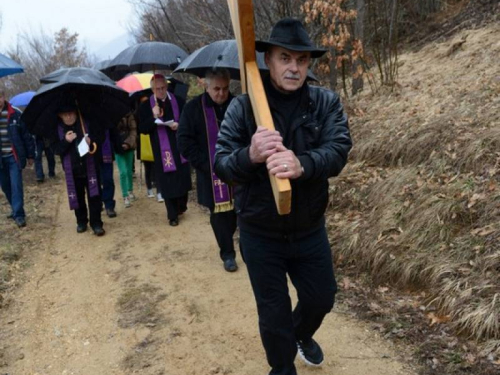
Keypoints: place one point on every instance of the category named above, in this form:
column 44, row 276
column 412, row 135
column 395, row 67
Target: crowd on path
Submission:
column 216, row 134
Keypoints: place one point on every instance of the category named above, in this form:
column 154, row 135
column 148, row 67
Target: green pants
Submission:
column 125, row 164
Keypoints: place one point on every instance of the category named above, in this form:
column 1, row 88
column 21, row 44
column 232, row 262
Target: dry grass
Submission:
column 419, row 205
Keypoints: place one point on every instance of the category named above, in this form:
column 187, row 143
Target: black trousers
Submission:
column 150, row 174
column 176, row 206
column 95, row 204
column 308, row 263
column 224, row 225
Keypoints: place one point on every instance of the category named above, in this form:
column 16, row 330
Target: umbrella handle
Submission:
column 94, row 145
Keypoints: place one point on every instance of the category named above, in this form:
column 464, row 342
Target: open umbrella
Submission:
column 146, row 56
column 9, row 66
column 138, row 84
column 97, row 97
column 135, row 82
column 22, row 100
column 101, row 64
column 76, row 75
column 220, row 54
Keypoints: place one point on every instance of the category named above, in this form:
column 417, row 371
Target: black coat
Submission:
column 63, row 147
column 320, row 138
column 173, row 184
column 193, row 144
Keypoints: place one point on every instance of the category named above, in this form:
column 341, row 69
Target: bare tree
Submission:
column 41, row 54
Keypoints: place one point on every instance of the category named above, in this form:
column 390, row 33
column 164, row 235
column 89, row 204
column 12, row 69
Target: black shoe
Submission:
column 40, row 180
column 98, row 231
column 310, row 352
column 173, row 223
column 53, row 175
column 11, row 216
column 20, row 221
column 111, row 212
column 230, row 265
column 80, row 228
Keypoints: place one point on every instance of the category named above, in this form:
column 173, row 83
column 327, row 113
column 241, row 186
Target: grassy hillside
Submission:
column 418, row 206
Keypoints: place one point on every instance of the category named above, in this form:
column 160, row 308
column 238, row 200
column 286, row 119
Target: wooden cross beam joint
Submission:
column 251, row 83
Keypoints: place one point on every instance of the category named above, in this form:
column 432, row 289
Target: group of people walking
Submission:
column 216, row 134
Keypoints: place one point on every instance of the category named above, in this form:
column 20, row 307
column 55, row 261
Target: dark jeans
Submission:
column 51, row 161
column 176, row 206
column 224, row 226
column 95, row 204
column 308, row 263
column 150, row 174
column 108, row 185
column 11, row 180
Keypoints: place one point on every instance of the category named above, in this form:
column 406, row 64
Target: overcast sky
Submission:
column 98, row 22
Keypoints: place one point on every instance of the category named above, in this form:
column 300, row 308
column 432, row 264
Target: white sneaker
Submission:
column 126, row 202
column 131, row 196
column 159, row 198
column 150, row 193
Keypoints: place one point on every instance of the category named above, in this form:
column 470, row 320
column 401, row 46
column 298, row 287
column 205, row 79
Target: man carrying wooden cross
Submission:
column 310, row 144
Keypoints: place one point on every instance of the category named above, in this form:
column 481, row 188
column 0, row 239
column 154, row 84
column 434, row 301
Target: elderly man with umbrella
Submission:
column 197, row 135
column 159, row 117
column 72, row 110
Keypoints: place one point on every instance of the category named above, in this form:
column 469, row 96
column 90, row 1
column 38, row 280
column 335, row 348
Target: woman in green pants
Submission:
column 127, row 130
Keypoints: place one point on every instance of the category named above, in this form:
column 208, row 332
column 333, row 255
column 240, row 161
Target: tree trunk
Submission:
column 357, row 80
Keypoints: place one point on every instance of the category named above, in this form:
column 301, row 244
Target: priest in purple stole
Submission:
column 82, row 172
column 196, row 138
column 159, row 117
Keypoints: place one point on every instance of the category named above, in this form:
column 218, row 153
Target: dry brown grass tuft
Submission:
column 419, row 205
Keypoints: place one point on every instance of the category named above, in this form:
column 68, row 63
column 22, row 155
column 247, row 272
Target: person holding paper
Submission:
column 172, row 170
column 80, row 159
column 197, row 135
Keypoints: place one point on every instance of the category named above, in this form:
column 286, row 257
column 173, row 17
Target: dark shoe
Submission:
column 40, row 180
column 53, row 175
column 11, row 216
column 310, row 352
column 80, row 228
column 98, row 231
column 20, row 221
column 230, row 265
column 173, row 223
column 110, row 212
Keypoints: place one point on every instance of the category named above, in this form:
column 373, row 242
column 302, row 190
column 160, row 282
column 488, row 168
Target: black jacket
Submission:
column 319, row 137
column 193, row 143
column 63, row 147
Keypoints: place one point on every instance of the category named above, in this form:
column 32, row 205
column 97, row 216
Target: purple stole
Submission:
column 220, row 190
column 165, row 148
column 68, row 171
column 107, row 156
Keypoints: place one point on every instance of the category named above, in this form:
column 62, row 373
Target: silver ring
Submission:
column 285, row 167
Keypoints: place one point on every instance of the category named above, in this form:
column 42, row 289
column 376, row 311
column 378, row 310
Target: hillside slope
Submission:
column 418, row 206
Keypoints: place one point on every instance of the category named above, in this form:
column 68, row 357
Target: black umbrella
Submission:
column 97, row 97
column 220, row 54
column 77, row 74
column 144, row 57
column 9, row 66
column 101, row 64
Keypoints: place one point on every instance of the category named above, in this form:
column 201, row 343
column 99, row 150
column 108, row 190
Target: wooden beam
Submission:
column 251, row 82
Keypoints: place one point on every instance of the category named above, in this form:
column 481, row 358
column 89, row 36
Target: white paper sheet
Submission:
column 161, row 123
column 83, row 147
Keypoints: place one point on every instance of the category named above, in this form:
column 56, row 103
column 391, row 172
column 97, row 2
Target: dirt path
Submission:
column 151, row 299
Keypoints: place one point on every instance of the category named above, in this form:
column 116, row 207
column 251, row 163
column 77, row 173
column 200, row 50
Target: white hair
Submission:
column 217, row 73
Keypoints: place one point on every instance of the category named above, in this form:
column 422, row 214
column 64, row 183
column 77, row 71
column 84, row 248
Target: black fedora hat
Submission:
column 289, row 33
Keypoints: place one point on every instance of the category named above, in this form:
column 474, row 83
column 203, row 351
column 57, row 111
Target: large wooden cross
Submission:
column 251, row 83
